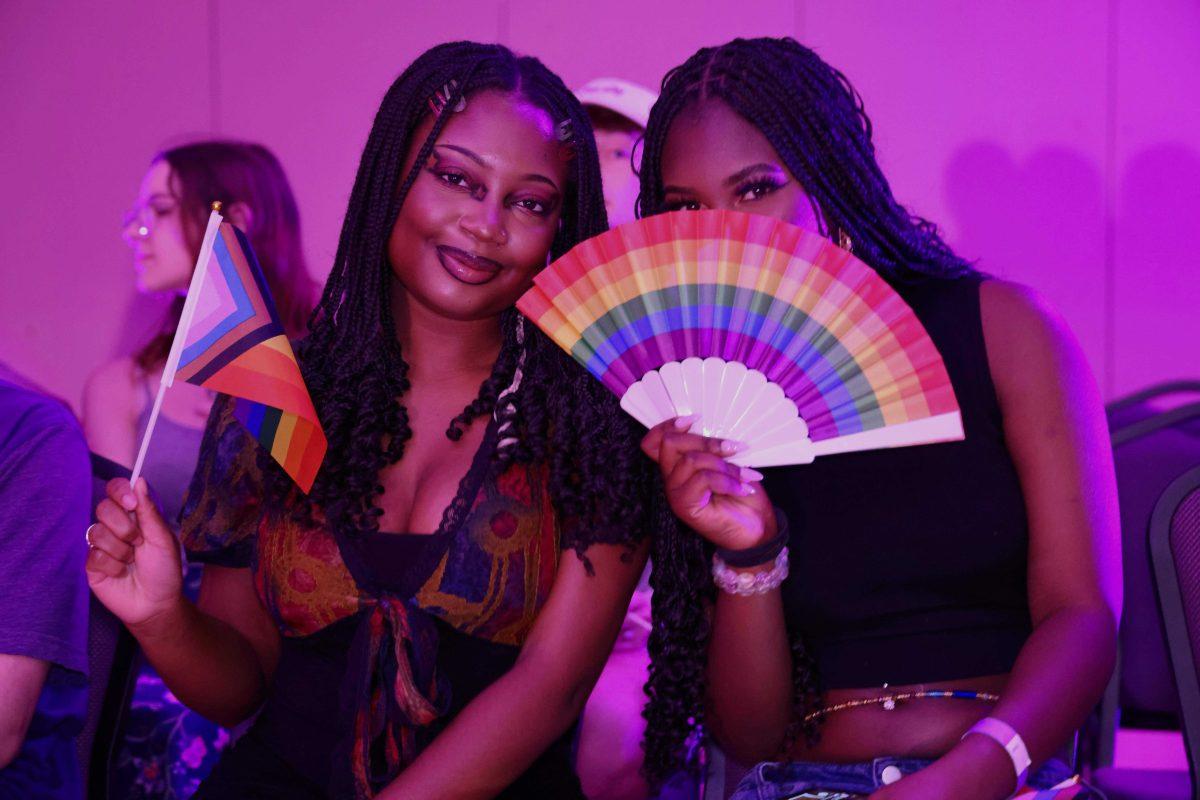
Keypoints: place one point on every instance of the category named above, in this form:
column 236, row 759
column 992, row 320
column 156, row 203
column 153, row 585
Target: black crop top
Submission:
column 909, row 565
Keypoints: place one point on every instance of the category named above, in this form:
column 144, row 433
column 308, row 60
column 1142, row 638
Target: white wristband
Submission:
column 1006, row 736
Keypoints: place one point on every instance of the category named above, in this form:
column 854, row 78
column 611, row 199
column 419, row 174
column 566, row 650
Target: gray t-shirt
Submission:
column 45, row 495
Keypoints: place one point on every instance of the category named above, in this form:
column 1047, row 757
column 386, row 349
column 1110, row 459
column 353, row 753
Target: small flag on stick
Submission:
column 230, row 340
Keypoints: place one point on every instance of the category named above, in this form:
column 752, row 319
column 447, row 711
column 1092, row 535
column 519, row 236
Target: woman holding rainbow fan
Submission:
column 866, row 617
column 928, row 641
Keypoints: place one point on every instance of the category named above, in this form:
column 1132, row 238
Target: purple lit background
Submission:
column 1057, row 143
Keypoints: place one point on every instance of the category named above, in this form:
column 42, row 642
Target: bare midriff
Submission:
column 918, row 728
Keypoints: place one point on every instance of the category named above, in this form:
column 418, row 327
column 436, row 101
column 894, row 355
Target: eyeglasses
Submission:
column 140, row 220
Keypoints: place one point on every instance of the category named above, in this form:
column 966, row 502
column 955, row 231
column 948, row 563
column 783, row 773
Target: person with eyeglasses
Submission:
column 166, row 750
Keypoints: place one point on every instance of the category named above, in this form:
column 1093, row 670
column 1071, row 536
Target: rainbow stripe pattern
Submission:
column 713, row 288
column 235, row 344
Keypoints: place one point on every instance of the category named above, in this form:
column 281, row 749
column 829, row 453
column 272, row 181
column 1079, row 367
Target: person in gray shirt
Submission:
column 45, row 493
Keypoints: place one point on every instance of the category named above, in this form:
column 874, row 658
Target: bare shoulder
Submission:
column 116, row 378
column 1028, row 341
column 112, row 400
column 1017, row 316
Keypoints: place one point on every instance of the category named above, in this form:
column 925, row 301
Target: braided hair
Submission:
column 815, row 120
column 552, row 413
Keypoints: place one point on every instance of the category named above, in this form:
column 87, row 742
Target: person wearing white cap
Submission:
column 619, row 111
column 609, row 755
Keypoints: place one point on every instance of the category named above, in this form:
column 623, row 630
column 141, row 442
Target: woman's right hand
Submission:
column 133, row 563
column 722, row 502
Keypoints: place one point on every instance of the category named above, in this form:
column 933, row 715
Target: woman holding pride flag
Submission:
column 429, row 620
column 164, row 750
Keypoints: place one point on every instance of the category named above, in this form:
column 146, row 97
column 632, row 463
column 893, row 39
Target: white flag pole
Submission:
column 185, row 321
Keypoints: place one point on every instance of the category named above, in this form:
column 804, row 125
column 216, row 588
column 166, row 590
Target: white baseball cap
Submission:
column 619, row 96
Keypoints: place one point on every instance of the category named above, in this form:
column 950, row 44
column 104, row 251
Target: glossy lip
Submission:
column 467, row 268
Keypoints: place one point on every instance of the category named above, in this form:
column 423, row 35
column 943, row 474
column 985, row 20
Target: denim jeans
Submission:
column 778, row 781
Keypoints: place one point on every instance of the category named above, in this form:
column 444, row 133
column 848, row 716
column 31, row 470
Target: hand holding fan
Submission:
column 773, row 335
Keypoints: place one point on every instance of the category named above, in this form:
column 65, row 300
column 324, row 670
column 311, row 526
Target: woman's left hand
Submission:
column 930, row 783
column 975, row 768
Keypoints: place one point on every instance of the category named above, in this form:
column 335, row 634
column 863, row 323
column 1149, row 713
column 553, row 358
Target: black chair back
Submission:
column 1151, row 447
column 1174, row 544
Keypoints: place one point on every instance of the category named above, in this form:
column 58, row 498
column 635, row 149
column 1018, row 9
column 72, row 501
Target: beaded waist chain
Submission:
column 888, row 702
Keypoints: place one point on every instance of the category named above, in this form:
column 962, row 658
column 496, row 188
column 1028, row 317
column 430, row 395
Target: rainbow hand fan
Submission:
column 773, row 335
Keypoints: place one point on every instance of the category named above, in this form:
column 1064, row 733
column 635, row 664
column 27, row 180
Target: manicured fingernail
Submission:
column 729, row 447
column 750, row 475
column 683, row 423
column 745, row 489
column 703, row 504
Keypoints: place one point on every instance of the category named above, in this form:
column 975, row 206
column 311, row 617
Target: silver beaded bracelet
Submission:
column 747, row 584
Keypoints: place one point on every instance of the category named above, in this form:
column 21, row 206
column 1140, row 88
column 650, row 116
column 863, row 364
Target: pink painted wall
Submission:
column 1058, row 142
